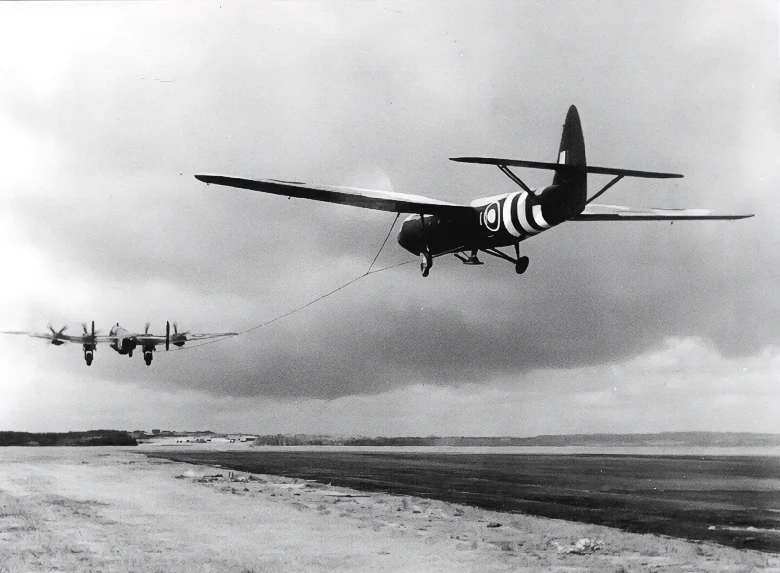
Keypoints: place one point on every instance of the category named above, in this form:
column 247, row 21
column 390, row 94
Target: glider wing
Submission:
column 365, row 198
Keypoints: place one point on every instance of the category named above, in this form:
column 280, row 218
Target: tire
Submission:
column 426, row 262
column 522, row 265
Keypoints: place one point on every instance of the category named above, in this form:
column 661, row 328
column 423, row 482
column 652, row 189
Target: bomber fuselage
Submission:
column 125, row 342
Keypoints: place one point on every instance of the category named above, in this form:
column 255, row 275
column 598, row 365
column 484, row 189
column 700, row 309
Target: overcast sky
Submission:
column 107, row 110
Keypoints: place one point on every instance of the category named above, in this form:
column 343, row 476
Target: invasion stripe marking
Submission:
column 538, row 217
column 508, row 223
column 529, row 215
column 515, row 217
column 522, row 213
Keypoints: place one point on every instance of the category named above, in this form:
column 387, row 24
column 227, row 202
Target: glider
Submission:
column 436, row 228
column 121, row 340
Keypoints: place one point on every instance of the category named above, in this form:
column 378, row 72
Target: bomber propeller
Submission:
column 87, row 333
column 56, row 335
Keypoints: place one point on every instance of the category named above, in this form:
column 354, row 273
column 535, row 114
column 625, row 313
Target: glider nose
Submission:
column 410, row 237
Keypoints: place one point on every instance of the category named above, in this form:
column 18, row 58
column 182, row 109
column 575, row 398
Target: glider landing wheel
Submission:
column 148, row 360
column 521, row 265
column 426, row 262
column 88, row 359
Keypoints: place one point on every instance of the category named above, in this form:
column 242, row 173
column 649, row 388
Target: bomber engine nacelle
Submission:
column 56, row 334
column 89, row 353
column 90, row 344
column 177, row 338
column 148, row 349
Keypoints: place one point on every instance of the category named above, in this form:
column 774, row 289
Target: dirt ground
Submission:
column 110, row 509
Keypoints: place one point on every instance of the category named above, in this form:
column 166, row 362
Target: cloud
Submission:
column 665, row 389
column 104, row 220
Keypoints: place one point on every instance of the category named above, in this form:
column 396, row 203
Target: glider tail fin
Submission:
column 572, row 152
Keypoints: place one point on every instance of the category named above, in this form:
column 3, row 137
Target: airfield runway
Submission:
column 733, row 500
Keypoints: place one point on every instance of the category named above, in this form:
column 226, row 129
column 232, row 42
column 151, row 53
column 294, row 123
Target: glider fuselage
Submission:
column 498, row 221
column 435, row 227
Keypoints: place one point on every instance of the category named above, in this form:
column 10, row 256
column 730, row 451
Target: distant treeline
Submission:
column 90, row 438
column 664, row 439
column 299, row 440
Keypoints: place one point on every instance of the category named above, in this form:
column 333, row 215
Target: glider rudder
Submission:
column 572, row 152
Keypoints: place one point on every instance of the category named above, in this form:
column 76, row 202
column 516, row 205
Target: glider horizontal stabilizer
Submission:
column 618, row 213
column 563, row 168
column 365, row 198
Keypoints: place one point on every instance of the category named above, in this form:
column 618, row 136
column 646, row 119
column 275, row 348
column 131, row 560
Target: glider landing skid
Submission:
column 470, row 259
column 521, row 263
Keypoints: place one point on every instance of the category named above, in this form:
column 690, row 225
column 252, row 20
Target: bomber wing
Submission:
column 365, row 198
column 594, row 212
column 148, row 338
column 44, row 335
column 160, row 339
column 54, row 336
column 61, row 338
column 191, row 336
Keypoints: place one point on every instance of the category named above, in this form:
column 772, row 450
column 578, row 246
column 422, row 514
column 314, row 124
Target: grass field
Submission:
column 114, row 509
column 731, row 500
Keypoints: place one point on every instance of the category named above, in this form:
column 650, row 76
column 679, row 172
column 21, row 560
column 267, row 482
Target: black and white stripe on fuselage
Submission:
column 513, row 217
